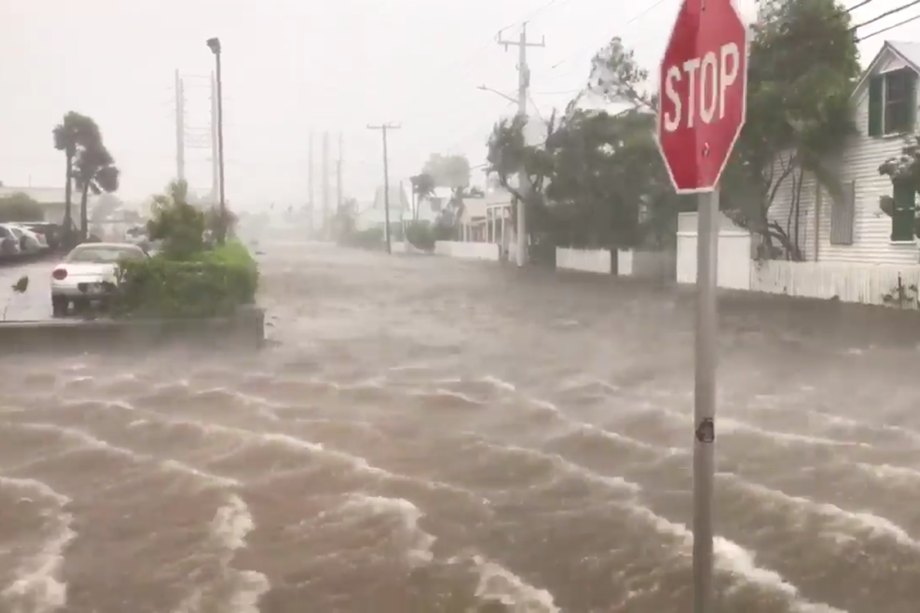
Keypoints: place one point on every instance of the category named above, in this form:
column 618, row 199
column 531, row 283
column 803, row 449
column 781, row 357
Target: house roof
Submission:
column 908, row 52
column 398, row 198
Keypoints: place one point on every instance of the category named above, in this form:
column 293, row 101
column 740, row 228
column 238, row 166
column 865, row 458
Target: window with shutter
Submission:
column 892, row 102
column 904, row 214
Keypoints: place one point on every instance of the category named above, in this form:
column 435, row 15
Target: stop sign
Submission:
column 703, row 91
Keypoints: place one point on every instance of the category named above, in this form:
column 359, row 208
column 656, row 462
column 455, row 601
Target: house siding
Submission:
column 858, row 162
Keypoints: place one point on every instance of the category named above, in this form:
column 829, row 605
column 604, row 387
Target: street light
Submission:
column 214, row 46
column 498, row 93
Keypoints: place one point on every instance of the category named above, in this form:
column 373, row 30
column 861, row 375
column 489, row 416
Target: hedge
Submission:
column 211, row 283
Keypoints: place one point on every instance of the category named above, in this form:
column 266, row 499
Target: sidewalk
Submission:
column 35, row 303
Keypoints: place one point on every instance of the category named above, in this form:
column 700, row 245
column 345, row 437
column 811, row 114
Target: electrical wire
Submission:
column 891, row 27
column 885, row 14
column 631, row 20
column 859, row 5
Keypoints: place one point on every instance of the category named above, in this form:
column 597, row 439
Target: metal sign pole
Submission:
column 704, row 408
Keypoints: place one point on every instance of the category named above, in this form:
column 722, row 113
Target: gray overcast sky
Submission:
column 292, row 66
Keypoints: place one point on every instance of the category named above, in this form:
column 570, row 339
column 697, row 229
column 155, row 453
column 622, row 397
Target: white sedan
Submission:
column 87, row 273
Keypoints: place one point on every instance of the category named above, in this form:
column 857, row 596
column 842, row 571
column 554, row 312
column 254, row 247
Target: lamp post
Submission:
column 214, row 46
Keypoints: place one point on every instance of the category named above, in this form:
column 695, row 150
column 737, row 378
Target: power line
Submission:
column 885, row 14
column 631, row 20
column 891, row 27
column 860, row 5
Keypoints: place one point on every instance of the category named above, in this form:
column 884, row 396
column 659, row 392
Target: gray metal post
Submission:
column 704, row 408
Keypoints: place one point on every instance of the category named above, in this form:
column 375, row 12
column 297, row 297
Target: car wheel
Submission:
column 59, row 306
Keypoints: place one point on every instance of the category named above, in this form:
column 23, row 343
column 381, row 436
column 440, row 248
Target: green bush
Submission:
column 421, row 235
column 210, row 283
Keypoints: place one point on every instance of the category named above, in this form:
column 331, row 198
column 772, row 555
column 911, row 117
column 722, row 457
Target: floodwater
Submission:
column 427, row 435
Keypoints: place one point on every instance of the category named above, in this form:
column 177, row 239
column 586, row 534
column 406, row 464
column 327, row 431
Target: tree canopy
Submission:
column 803, row 63
column 89, row 164
column 20, row 207
column 448, row 170
column 598, row 179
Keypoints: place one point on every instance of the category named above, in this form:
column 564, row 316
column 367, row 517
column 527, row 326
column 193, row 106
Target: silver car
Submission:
column 87, row 273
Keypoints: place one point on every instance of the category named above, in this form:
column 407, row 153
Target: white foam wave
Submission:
column 38, row 587
column 730, row 559
column 498, row 584
column 418, row 542
column 231, row 524
column 864, row 523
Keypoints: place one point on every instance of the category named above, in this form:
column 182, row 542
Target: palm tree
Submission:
column 94, row 171
column 422, row 186
column 76, row 131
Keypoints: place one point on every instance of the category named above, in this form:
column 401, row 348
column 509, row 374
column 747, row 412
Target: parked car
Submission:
column 86, row 276
column 30, row 242
column 9, row 244
column 52, row 232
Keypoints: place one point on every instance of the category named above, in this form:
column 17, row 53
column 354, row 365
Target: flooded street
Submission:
column 427, row 435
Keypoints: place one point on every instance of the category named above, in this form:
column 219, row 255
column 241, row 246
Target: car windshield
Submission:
column 16, row 231
column 100, row 254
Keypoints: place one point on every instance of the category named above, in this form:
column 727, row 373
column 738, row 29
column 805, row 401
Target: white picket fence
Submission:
column 468, row 250
column 630, row 263
column 861, row 283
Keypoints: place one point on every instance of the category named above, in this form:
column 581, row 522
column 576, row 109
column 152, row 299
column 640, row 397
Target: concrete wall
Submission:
column 734, row 259
column 468, row 251
column 586, row 260
column 245, row 330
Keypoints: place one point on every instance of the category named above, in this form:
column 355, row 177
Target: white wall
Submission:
column 862, row 283
column 469, row 251
column 587, row 260
column 734, row 257
column 646, row 264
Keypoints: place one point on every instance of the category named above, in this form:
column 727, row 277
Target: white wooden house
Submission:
column 852, row 250
column 854, row 229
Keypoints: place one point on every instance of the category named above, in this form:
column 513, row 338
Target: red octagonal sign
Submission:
column 703, row 92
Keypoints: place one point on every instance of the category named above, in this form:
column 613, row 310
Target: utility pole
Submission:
column 325, row 184
column 180, row 128
column 311, row 220
column 384, row 128
column 338, row 175
column 215, row 142
column 523, row 85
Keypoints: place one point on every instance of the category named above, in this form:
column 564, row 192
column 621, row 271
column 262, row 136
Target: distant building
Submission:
column 375, row 215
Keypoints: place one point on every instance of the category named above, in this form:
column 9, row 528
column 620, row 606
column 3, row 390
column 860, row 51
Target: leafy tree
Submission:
column 74, row 133
column 598, row 180
column 177, row 223
column 618, row 78
column 448, row 170
column 422, row 186
column 94, row 171
column 802, row 65
column 20, row 207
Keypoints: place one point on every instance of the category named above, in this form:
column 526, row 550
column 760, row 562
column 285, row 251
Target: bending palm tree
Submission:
column 73, row 133
column 95, row 172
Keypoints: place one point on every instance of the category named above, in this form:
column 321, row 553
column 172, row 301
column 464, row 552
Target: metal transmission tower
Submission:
column 191, row 136
column 311, row 203
column 180, row 127
column 325, row 184
column 523, row 86
column 338, row 176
